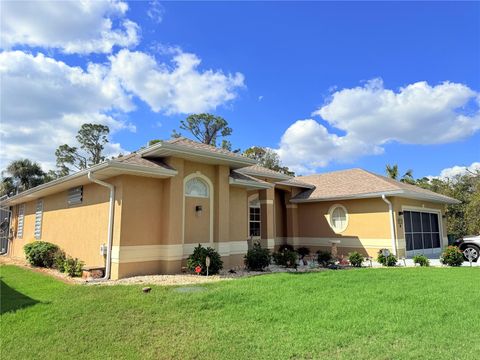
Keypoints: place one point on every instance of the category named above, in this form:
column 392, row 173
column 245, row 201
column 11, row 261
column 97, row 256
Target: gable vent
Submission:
column 75, row 195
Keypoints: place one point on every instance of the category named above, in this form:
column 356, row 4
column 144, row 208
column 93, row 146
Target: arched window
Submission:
column 338, row 218
column 196, row 187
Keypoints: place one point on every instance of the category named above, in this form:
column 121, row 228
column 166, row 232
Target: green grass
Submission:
column 427, row 313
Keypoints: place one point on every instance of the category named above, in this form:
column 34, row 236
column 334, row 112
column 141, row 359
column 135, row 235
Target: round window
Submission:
column 338, row 218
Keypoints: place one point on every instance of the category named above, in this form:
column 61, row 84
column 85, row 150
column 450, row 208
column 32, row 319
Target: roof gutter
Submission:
column 108, row 264
column 392, row 224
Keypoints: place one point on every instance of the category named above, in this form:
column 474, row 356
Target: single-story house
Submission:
column 144, row 213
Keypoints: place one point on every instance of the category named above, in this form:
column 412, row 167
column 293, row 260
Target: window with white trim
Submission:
column 38, row 220
column 196, row 187
column 254, row 218
column 338, row 218
column 21, row 220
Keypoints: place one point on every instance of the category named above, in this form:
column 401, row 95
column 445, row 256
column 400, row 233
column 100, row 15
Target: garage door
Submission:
column 422, row 233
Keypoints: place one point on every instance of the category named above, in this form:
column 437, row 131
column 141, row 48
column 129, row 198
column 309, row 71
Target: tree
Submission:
column 392, row 172
column 24, row 174
column 7, row 187
column 267, row 158
column 92, row 139
column 464, row 218
column 206, row 128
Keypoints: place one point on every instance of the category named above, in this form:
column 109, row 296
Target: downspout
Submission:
column 392, row 224
column 108, row 264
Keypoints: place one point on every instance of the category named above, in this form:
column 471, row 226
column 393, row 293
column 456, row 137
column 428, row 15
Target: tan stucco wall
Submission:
column 142, row 211
column 367, row 218
column 280, row 214
column 238, row 212
column 78, row 229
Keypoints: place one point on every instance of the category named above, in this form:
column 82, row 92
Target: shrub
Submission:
column 198, row 259
column 452, row 256
column 59, row 260
column 40, row 253
column 324, row 258
column 286, row 258
column 422, row 260
column 303, row 251
column 257, row 258
column 390, row 260
column 282, row 248
column 356, row 259
column 73, row 267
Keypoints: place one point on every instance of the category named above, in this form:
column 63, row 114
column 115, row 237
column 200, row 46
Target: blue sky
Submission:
column 292, row 60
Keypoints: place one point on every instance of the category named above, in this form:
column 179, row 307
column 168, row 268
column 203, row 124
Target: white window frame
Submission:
column 330, row 218
column 250, row 207
column 443, row 238
column 38, row 220
column 21, row 221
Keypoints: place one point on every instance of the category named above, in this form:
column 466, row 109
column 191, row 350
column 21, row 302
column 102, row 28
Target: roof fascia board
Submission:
column 249, row 184
column 399, row 193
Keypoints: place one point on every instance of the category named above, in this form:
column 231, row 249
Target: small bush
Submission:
column 257, row 258
column 287, row 258
column 198, row 259
column 59, row 260
column 390, row 260
column 282, row 248
column 303, row 251
column 452, row 256
column 356, row 259
column 73, row 267
column 422, row 260
column 324, row 258
column 40, row 253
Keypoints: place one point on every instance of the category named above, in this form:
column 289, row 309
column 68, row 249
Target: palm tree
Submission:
column 392, row 172
column 27, row 173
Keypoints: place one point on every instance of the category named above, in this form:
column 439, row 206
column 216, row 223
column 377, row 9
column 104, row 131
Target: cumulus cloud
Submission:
column 45, row 101
column 369, row 116
column 452, row 172
column 71, row 26
column 181, row 88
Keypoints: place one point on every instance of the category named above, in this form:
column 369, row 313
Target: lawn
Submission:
column 426, row 313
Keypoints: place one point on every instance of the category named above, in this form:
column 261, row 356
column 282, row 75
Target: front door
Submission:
column 422, row 233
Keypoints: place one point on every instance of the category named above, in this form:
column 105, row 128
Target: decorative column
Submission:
column 292, row 220
column 267, row 214
column 172, row 220
column 221, row 205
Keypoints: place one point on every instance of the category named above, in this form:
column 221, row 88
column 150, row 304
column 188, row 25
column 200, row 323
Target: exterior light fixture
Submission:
column 198, row 210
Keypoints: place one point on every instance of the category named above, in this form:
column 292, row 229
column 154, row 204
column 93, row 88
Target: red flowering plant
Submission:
column 197, row 261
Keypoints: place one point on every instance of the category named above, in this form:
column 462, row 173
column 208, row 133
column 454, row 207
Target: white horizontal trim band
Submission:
column 141, row 253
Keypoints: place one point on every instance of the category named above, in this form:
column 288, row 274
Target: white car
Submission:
column 470, row 246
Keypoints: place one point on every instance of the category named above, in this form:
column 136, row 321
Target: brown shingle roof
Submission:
column 200, row 146
column 357, row 183
column 136, row 159
column 258, row 170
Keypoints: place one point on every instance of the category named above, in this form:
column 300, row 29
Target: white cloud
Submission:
column 454, row 171
column 45, row 101
column 178, row 89
column 72, row 26
column 156, row 11
column 370, row 116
